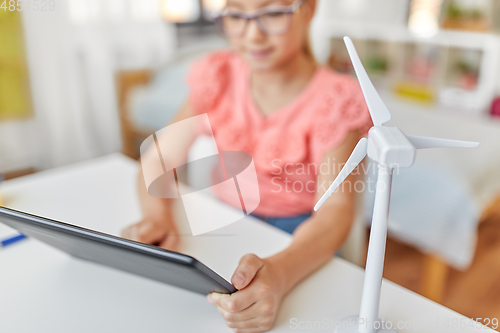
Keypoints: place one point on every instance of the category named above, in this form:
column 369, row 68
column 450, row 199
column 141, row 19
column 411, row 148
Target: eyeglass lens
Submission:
column 272, row 22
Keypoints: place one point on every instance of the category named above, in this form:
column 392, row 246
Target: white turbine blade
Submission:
column 378, row 111
column 422, row 142
column 357, row 155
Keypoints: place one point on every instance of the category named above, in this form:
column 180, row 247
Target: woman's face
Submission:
column 270, row 51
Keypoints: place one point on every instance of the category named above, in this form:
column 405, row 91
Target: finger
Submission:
column 255, row 323
column 171, row 242
column 244, row 315
column 214, row 298
column 236, row 302
column 130, row 232
column 249, row 330
column 248, row 267
column 147, row 232
column 126, row 233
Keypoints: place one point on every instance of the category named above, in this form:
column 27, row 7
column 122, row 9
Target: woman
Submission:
column 299, row 121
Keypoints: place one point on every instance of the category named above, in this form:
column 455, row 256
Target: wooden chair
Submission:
column 132, row 135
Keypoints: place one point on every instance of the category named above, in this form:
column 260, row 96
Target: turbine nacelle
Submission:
column 390, row 147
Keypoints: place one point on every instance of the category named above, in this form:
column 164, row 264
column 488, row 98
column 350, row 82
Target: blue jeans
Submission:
column 287, row 224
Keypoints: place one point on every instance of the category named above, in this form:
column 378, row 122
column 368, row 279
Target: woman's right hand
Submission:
column 161, row 231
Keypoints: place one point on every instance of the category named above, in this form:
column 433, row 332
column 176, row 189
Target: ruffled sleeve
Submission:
column 208, row 79
column 342, row 110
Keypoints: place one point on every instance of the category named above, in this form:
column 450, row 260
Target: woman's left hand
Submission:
column 253, row 308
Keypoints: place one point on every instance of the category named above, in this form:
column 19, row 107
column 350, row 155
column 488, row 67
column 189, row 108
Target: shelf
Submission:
column 477, row 100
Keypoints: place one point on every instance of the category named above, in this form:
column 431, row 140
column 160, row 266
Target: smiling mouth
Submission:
column 260, row 54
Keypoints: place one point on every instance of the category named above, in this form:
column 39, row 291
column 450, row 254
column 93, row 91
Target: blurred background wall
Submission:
column 73, row 50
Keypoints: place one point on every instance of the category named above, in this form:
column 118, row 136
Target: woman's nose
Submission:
column 254, row 32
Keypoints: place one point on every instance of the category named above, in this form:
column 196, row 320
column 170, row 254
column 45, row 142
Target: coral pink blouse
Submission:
column 288, row 145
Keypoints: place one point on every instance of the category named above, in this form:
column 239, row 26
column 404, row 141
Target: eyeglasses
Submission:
column 272, row 20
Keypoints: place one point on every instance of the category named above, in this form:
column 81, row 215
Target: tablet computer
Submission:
column 152, row 262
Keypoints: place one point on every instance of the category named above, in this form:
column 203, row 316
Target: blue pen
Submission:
column 12, row 240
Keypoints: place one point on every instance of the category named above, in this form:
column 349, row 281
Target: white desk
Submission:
column 44, row 290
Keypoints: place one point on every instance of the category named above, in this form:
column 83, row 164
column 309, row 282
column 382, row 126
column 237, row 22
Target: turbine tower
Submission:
column 390, row 148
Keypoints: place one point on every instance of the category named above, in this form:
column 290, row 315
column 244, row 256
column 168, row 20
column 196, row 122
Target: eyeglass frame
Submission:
column 289, row 10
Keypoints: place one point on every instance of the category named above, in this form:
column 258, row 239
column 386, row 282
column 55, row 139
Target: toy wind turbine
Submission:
column 389, row 147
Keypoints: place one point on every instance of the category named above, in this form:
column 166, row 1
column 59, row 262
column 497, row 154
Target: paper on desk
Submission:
column 7, row 232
